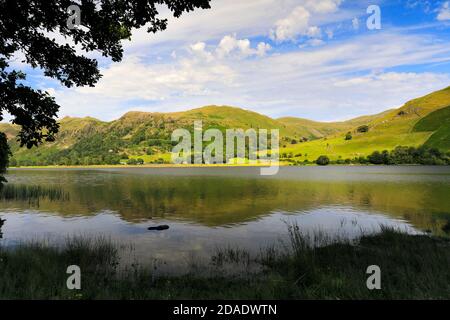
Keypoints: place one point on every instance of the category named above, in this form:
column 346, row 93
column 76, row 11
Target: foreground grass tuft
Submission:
column 308, row 267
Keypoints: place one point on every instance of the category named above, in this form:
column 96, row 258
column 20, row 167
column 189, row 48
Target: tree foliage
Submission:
column 348, row 136
column 323, row 161
column 363, row 129
column 409, row 155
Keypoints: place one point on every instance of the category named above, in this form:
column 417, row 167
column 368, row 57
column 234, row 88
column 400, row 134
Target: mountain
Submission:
column 85, row 141
column 136, row 134
column 314, row 130
column 422, row 121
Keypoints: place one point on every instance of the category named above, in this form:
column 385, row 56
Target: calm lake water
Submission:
column 209, row 208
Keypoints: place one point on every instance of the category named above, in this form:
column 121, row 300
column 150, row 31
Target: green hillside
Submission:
column 439, row 123
column 231, row 117
column 88, row 141
column 387, row 131
column 314, row 130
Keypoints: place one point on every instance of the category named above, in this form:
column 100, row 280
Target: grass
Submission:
column 434, row 120
column 166, row 157
column 337, row 148
column 441, row 138
column 36, row 270
column 411, row 125
column 306, row 267
column 439, row 122
column 313, row 129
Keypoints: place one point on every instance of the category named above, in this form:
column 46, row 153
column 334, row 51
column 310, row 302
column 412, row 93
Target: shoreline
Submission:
column 187, row 166
column 165, row 166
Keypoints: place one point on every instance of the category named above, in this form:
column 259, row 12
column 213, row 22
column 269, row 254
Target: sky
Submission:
column 314, row 59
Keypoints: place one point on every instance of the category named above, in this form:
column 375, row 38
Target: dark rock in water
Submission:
column 159, row 228
column 446, row 228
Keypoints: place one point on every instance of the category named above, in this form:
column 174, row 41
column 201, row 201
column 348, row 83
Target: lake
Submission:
column 215, row 207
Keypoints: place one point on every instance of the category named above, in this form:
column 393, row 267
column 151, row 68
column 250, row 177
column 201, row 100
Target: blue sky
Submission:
column 314, row 59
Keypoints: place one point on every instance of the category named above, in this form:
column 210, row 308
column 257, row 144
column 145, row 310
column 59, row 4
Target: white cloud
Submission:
column 323, row 6
column 400, row 79
column 314, row 32
column 230, row 44
column 317, row 83
column 247, row 18
column 227, row 44
column 297, row 23
column 199, row 49
column 263, row 48
column 444, row 12
column 222, row 56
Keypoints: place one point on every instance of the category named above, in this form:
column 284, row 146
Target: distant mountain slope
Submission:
column 231, row 117
column 314, row 129
column 147, row 135
column 386, row 131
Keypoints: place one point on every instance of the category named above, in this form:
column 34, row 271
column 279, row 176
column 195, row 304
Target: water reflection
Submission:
column 209, row 207
column 185, row 242
column 218, row 197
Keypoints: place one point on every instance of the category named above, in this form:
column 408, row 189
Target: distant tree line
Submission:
column 89, row 153
column 410, row 155
column 400, row 155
